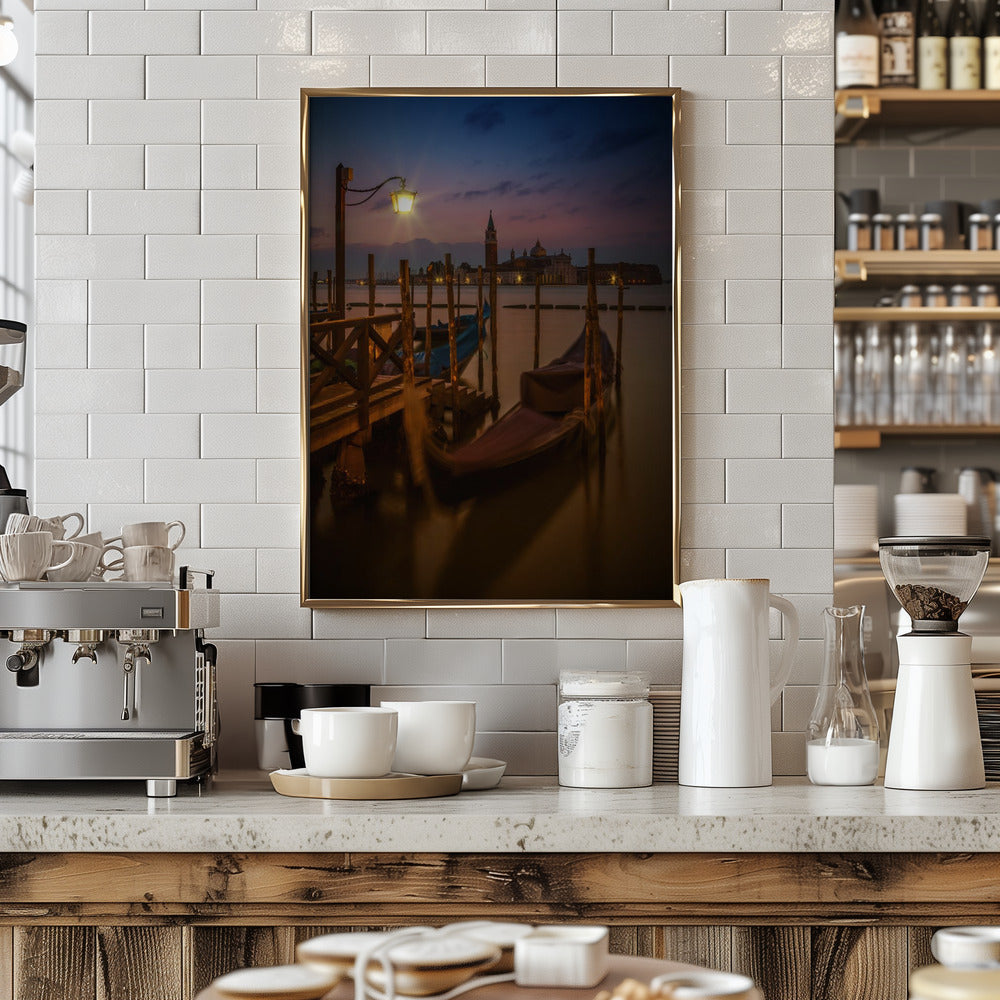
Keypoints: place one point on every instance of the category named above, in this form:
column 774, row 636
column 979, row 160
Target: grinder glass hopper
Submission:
column 934, row 739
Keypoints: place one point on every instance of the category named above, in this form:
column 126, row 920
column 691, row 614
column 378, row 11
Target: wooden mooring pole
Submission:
column 329, row 291
column 449, row 281
column 427, row 328
column 598, row 355
column 621, row 323
column 371, row 284
column 495, row 404
column 479, row 320
column 406, row 303
column 588, row 340
column 538, row 318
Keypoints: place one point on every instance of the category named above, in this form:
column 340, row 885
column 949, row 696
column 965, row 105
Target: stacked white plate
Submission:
column 930, row 514
column 855, row 520
column 666, row 704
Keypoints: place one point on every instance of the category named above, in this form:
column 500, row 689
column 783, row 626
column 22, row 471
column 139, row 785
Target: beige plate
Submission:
column 286, row 982
column 299, row 784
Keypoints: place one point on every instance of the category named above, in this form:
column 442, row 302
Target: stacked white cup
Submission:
column 147, row 550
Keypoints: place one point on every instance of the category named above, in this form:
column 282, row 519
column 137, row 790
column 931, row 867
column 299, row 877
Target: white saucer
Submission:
column 482, row 772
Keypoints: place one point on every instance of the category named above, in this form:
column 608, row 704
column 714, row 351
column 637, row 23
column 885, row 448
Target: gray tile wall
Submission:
column 167, row 300
column 911, row 166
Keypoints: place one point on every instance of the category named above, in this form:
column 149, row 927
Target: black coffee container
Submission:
column 275, row 705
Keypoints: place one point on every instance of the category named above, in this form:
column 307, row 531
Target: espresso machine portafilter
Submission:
column 111, row 681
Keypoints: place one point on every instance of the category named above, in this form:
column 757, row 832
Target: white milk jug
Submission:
column 726, row 689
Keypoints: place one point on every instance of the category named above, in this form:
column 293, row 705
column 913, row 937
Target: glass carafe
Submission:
column 842, row 738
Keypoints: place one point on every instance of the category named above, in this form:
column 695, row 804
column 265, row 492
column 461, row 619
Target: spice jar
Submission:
column 931, row 231
column 980, row 231
column 859, row 231
column 986, row 297
column 907, row 232
column 959, row 297
column 910, row 297
column 883, row 237
column 605, row 729
column 934, row 297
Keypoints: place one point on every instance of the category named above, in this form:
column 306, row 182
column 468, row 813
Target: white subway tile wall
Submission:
column 167, row 220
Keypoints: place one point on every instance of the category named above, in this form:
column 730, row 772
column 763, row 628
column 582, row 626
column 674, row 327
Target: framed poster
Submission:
column 490, row 348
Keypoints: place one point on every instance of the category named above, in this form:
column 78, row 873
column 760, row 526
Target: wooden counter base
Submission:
column 162, row 926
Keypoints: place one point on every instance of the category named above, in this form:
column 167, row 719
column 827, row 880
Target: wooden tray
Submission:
column 299, row 784
column 622, row 967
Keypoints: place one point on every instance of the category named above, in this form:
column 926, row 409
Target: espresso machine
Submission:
column 109, row 681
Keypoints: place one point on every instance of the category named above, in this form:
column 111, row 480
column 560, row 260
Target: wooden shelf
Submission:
column 858, row 438
column 860, row 265
column 897, row 314
column 855, row 108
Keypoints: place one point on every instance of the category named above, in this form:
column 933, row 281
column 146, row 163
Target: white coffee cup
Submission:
column 147, row 562
column 150, row 533
column 104, row 566
column 347, row 742
column 27, row 555
column 81, row 566
column 20, row 523
column 434, row 737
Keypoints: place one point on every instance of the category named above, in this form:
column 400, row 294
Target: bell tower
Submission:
column 490, row 244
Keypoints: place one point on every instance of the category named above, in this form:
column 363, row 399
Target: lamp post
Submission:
column 402, row 204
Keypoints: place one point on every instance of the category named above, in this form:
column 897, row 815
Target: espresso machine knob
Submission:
column 24, row 659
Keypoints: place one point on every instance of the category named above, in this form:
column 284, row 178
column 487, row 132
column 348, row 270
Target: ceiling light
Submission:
column 8, row 41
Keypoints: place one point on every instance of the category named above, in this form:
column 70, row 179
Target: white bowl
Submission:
column 482, row 772
column 337, row 951
column 705, row 985
column 432, row 963
column 503, row 933
column 967, row 947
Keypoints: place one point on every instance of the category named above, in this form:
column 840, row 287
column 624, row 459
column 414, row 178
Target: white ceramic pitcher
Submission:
column 726, row 688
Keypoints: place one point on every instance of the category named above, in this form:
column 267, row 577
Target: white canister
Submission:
column 605, row 729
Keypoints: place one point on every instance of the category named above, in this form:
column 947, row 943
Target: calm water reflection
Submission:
column 570, row 528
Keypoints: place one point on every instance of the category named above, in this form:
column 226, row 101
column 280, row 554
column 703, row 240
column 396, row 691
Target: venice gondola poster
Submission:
column 489, row 348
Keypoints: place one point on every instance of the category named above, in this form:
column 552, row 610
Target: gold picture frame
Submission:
column 422, row 486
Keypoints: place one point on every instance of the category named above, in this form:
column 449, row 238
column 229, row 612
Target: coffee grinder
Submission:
column 934, row 740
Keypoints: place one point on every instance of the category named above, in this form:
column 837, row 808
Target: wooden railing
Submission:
column 371, row 342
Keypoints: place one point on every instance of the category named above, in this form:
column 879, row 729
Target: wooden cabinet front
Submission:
column 161, row 927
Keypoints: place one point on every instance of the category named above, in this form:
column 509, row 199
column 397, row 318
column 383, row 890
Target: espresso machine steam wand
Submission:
column 136, row 642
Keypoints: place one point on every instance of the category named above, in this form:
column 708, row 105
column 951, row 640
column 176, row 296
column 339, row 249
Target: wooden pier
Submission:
column 362, row 368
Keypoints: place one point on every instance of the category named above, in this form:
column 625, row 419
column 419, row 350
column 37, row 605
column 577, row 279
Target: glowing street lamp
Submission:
column 402, row 200
column 402, row 204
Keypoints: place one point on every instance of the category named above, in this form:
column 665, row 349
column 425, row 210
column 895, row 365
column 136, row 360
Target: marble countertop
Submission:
column 244, row 814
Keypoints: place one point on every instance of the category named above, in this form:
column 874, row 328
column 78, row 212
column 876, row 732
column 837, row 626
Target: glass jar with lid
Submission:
column 931, row 231
column 907, row 232
column 980, row 231
column 883, row 232
column 605, row 729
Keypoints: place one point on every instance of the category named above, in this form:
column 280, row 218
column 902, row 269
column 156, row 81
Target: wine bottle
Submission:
column 964, row 44
column 857, row 49
column 898, row 28
column 932, row 49
column 991, row 46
